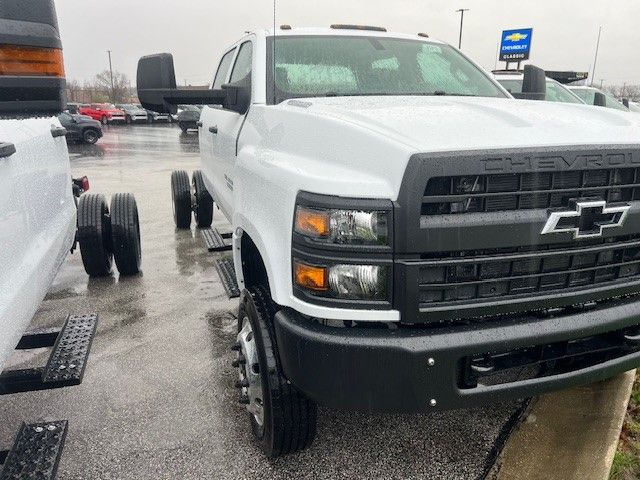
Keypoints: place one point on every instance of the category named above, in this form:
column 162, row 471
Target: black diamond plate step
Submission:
column 36, row 452
column 214, row 240
column 227, row 274
column 67, row 361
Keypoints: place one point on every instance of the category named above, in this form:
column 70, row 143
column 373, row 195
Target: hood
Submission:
column 431, row 124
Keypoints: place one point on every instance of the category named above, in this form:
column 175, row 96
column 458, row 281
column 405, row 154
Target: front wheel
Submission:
column 283, row 419
column 90, row 136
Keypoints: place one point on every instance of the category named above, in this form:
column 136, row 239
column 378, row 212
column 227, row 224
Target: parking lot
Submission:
column 158, row 399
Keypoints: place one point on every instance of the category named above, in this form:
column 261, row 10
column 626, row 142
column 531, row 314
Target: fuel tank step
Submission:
column 35, row 453
column 67, row 361
column 226, row 271
column 214, row 240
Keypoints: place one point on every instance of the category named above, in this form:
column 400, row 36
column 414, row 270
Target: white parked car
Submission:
column 594, row 96
column 555, row 91
column 406, row 235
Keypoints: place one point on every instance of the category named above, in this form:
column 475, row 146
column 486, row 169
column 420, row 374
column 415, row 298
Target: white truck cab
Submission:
column 407, row 235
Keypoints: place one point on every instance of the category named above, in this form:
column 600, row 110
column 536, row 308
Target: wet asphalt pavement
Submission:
column 158, row 401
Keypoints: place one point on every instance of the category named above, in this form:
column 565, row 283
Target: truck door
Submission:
column 221, row 128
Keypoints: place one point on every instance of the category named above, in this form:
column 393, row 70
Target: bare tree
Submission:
column 120, row 91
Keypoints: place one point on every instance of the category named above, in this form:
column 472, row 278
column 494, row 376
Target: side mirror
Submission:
column 625, row 102
column 599, row 100
column 157, row 89
column 534, row 84
column 238, row 96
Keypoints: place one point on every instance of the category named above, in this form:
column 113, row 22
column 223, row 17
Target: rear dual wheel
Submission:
column 105, row 235
column 201, row 204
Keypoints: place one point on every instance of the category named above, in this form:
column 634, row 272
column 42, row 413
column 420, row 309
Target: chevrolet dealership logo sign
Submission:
column 516, row 45
column 586, row 219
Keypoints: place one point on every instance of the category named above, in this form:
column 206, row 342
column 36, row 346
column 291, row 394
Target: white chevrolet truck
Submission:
column 406, row 235
column 41, row 221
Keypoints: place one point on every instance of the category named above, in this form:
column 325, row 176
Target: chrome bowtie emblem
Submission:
column 586, row 218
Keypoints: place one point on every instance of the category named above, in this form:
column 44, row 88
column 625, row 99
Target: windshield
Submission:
column 317, row 66
column 556, row 92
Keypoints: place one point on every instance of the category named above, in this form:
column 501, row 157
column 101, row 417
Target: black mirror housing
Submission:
column 157, row 89
column 599, row 100
column 534, row 84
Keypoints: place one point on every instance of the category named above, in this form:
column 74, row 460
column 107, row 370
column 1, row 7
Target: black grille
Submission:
column 526, row 191
column 491, row 274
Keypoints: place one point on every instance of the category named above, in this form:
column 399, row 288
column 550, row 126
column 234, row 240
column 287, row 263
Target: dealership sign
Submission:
column 515, row 45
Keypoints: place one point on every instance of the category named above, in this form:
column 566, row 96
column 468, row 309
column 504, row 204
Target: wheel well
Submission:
column 253, row 269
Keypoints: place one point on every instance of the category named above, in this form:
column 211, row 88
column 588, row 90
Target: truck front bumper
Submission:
column 411, row 369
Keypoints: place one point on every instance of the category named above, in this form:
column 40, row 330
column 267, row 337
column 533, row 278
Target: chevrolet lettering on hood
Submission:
column 561, row 162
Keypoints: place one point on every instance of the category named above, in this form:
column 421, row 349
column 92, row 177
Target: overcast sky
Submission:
column 196, row 31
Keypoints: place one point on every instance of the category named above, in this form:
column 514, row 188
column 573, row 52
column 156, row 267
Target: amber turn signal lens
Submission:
column 312, row 222
column 31, row 61
column 310, row 277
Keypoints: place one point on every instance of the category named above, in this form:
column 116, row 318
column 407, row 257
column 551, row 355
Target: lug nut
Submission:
column 244, row 400
column 242, row 383
column 239, row 361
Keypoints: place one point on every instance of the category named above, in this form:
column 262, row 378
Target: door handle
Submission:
column 7, row 149
column 214, row 129
column 58, row 131
column 199, row 124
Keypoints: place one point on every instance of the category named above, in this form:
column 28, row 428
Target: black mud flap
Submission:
column 35, row 453
column 227, row 273
column 214, row 240
column 67, row 361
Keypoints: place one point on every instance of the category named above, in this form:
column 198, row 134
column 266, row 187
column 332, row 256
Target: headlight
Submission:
column 343, row 281
column 349, row 227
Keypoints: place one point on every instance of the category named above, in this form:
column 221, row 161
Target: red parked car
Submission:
column 103, row 112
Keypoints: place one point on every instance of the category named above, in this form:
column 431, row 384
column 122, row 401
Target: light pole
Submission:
column 111, row 76
column 461, row 11
column 595, row 60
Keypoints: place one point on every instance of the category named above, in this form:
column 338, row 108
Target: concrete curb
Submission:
column 568, row 435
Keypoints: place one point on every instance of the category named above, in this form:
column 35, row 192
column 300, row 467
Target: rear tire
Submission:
column 203, row 210
column 94, row 234
column 125, row 233
column 181, row 199
column 286, row 419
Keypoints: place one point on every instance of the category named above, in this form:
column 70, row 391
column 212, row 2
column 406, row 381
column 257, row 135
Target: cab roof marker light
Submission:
column 424, row 35
column 285, row 27
column 358, row 27
column 16, row 60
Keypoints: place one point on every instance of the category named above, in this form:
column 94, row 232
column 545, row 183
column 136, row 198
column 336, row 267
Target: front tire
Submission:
column 181, row 199
column 125, row 233
column 90, row 136
column 283, row 419
column 203, row 210
column 94, row 234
